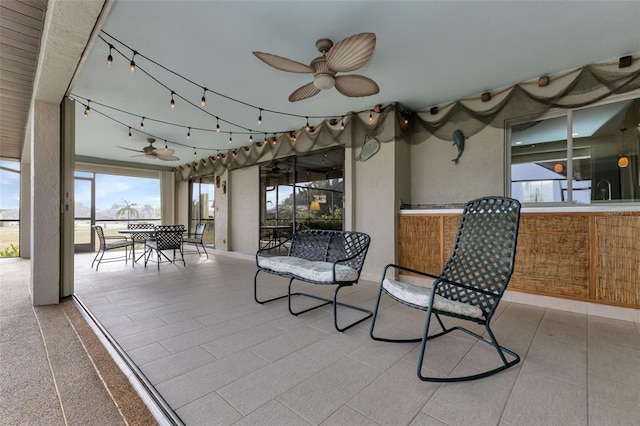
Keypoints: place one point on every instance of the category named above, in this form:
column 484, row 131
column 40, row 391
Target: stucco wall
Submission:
column 222, row 222
column 243, row 192
column 435, row 179
column 375, row 207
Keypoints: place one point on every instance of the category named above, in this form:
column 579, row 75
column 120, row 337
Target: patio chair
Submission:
column 196, row 240
column 167, row 237
column 471, row 283
column 142, row 237
column 110, row 243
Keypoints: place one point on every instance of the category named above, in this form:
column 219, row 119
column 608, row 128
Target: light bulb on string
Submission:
column 166, row 148
column 275, row 139
column 260, row 117
column 307, row 127
column 132, row 64
column 370, row 116
column 230, row 137
column 250, row 137
column 130, row 133
column 189, row 133
column 173, row 102
column 342, row 123
column 110, row 57
column 87, row 109
column 195, row 154
column 142, row 124
column 217, row 125
column 203, row 101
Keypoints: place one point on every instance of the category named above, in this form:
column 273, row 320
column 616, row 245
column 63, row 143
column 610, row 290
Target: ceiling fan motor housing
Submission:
column 323, row 78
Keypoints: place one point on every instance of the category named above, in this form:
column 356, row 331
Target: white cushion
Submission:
column 420, row 296
column 306, row 269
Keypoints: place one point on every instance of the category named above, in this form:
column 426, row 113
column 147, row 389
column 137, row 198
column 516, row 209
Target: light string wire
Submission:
column 134, row 128
column 258, row 109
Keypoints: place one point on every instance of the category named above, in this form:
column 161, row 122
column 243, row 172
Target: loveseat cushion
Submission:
column 307, row 269
column 420, row 296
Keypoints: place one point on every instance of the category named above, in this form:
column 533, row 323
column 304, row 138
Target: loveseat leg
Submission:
column 255, row 291
column 328, row 302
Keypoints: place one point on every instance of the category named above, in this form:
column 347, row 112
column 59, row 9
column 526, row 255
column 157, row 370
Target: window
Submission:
column 588, row 156
column 303, row 192
column 9, row 208
column 202, row 207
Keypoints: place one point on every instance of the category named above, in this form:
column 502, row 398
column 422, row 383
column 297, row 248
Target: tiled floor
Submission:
column 217, row 357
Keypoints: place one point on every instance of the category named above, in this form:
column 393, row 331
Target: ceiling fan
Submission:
column 347, row 55
column 165, row 154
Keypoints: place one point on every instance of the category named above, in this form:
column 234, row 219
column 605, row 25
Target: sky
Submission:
column 110, row 189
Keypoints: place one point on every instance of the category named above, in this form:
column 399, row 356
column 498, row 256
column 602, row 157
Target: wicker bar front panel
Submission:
column 591, row 256
column 553, row 255
column 617, row 276
column 420, row 243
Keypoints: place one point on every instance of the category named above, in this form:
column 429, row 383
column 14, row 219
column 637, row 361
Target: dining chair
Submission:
column 142, row 237
column 108, row 243
column 167, row 237
column 195, row 239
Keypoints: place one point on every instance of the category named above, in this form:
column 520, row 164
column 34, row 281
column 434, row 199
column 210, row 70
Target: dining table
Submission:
column 275, row 233
column 133, row 233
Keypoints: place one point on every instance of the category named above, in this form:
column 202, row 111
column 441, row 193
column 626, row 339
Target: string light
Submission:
column 132, row 64
column 275, row 139
column 130, row 133
column 230, row 137
column 203, row 101
column 217, row 125
column 87, row 109
column 260, row 117
column 110, row 57
column 266, row 138
column 250, row 137
column 195, row 154
column 142, row 124
column 307, row 127
column 189, row 133
column 370, row 116
column 342, row 123
column 173, row 103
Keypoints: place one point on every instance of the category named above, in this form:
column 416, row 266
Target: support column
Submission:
column 45, row 205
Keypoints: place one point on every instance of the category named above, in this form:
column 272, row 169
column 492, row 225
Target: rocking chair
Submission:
column 471, row 283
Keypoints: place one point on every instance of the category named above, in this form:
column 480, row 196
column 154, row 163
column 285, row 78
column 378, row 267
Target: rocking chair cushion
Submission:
column 421, row 296
column 310, row 270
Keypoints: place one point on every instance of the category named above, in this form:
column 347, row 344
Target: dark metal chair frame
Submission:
column 477, row 273
column 196, row 240
column 337, row 247
column 167, row 237
column 115, row 244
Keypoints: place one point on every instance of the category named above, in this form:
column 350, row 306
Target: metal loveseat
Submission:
column 319, row 257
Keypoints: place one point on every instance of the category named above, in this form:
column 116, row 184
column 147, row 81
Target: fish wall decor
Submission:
column 370, row 147
column 458, row 142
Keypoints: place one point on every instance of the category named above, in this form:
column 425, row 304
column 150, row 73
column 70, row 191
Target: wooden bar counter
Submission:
column 591, row 256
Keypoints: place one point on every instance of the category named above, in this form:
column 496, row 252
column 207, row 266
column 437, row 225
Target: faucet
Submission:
column 606, row 191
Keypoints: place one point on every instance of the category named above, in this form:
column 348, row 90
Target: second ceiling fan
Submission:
column 347, row 55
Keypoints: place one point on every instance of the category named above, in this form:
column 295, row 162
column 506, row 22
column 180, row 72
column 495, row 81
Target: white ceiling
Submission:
column 427, row 53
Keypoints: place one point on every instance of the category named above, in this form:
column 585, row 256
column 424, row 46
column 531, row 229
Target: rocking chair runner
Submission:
column 471, row 283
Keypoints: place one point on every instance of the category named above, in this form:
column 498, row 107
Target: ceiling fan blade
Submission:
column 140, row 155
column 129, row 149
column 304, row 92
column 351, row 53
column 283, row 64
column 167, row 157
column 356, row 86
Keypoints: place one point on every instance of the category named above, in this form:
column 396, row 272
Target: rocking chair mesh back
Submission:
column 471, row 283
column 483, row 254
